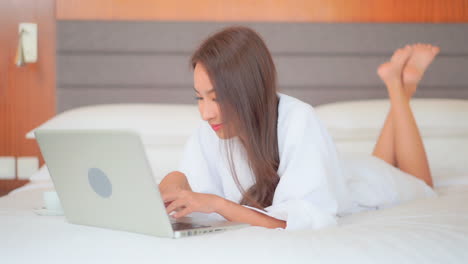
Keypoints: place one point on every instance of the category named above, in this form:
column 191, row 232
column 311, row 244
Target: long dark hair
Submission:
column 243, row 75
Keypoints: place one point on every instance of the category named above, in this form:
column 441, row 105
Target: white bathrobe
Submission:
column 315, row 184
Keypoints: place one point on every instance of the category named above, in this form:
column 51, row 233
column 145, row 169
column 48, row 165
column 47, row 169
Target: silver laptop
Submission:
column 103, row 179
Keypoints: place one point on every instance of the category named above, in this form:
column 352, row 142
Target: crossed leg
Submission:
column 400, row 143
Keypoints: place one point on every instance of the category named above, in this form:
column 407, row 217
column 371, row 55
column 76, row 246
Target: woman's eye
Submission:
column 198, row 98
column 214, row 99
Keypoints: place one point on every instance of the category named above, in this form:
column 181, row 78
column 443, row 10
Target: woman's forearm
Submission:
column 238, row 213
column 175, row 178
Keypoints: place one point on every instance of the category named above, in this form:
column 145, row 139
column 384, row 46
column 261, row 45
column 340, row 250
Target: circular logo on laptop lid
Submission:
column 99, row 182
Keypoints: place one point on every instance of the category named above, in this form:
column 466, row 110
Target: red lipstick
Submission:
column 216, row 127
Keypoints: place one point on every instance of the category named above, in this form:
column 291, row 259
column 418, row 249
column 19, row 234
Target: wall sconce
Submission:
column 27, row 44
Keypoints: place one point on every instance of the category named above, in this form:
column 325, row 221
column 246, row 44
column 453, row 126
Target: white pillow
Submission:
column 157, row 124
column 364, row 119
column 41, row 175
column 443, row 124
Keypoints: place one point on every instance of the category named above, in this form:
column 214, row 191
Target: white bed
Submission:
column 433, row 230
column 426, row 231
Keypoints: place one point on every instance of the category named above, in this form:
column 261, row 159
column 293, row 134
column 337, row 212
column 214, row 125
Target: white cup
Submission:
column 52, row 202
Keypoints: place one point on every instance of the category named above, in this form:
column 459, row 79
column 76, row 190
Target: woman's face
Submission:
column 206, row 97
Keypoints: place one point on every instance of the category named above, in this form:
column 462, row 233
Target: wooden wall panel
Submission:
column 27, row 94
column 266, row 10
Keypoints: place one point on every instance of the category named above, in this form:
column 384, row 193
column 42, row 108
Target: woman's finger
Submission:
column 175, row 205
column 170, row 196
column 183, row 213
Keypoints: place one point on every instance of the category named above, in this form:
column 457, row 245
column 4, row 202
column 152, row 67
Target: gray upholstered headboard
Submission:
column 122, row 62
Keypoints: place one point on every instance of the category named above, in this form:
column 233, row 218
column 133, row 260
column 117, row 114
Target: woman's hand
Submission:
column 179, row 197
column 184, row 202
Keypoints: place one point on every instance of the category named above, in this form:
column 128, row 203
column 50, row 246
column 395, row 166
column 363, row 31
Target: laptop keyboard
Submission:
column 177, row 226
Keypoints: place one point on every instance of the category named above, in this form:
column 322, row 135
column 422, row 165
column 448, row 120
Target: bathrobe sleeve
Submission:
column 308, row 168
column 198, row 151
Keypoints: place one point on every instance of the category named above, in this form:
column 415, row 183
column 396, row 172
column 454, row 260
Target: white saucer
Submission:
column 45, row 211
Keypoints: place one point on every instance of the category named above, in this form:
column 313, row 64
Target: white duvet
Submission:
column 434, row 230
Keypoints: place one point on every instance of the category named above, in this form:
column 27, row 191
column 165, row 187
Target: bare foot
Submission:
column 421, row 58
column 391, row 72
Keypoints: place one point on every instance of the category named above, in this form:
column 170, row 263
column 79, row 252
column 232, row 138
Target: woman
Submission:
column 264, row 158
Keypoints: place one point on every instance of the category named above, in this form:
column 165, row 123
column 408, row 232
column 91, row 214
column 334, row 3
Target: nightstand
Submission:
column 7, row 186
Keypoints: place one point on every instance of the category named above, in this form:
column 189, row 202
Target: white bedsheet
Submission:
column 434, row 230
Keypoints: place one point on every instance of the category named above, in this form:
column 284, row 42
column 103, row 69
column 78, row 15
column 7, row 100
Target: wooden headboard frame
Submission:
column 147, row 62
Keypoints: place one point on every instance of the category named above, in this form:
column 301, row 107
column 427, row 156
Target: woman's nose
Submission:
column 209, row 111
